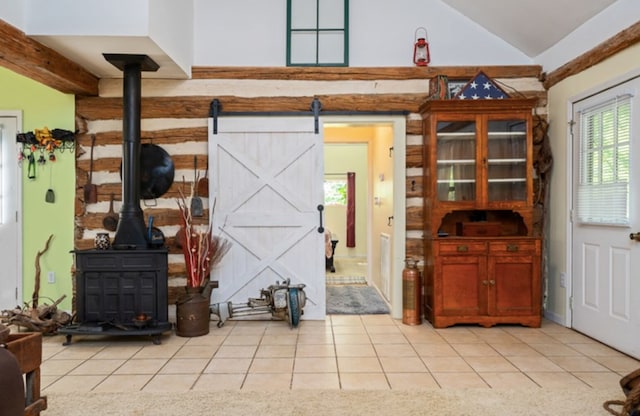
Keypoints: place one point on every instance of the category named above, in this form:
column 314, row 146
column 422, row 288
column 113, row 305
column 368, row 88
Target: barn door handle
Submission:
column 635, row 236
column 320, row 209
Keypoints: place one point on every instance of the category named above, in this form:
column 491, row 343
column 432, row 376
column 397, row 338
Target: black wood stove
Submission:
column 122, row 290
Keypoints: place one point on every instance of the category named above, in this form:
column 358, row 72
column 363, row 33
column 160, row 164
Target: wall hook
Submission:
column 389, row 220
column 391, row 151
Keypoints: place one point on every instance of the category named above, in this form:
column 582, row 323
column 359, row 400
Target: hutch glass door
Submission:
column 506, row 160
column 456, row 160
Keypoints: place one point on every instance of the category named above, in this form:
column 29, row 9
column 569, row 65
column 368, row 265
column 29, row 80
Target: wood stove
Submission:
column 123, row 290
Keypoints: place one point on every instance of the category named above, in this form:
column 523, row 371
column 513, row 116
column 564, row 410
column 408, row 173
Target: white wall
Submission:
column 12, row 12
column 382, row 33
column 617, row 17
column 178, row 41
column 559, row 98
column 89, row 17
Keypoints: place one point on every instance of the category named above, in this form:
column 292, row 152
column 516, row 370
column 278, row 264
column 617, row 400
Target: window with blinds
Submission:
column 603, row 188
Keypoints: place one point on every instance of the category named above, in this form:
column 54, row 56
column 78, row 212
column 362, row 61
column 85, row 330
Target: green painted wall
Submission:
column 42, row 106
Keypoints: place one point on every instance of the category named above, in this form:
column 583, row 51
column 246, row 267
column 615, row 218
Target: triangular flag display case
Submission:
column 481, row 87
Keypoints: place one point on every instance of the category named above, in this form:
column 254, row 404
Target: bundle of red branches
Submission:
column 201, row 248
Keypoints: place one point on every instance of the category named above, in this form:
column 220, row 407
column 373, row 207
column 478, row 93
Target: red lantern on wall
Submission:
column 421, row 56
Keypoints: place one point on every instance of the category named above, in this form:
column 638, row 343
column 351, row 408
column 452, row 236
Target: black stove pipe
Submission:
column 131, row 232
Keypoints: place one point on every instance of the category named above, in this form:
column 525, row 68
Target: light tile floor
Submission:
column 342, row 352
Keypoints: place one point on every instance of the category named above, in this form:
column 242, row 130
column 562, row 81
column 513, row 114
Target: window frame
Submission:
column 601, row 193
column 317, row 30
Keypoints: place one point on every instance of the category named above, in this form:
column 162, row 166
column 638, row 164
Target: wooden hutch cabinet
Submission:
column 482, row 259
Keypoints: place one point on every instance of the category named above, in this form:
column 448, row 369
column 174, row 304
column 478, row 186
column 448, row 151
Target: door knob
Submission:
column 635, row 236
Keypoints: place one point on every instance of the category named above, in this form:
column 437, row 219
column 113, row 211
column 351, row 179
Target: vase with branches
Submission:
column 202, row 250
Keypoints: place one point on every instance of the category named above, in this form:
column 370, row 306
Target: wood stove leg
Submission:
column 67, row 340
column 156, row 339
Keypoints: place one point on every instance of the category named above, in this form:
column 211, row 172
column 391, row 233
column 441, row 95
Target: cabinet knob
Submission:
column 635, row 236
column 512, row 248
column 463, row 249
column 492, row 282
column 485, row 282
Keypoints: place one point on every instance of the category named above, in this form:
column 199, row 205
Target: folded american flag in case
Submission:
column 481, row 87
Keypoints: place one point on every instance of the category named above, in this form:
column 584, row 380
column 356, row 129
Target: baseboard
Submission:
column 554, row 317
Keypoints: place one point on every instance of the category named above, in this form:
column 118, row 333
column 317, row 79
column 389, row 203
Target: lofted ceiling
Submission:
column 531, row 26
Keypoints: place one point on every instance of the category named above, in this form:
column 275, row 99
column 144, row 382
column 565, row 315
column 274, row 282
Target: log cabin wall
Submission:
column 175, row 114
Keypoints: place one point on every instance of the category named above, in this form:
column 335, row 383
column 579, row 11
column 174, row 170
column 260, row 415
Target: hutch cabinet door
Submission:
column 460, row 268
column 514, row 286
column 461, row 291
column 514, row 274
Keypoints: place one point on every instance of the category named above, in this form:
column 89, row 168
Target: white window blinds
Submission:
column 603, row 188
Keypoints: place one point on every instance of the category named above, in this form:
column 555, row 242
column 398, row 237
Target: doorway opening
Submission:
column 373, row 149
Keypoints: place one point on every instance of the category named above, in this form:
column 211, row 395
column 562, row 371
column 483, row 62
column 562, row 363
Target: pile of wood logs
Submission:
column 43, row 318
column 38, row 318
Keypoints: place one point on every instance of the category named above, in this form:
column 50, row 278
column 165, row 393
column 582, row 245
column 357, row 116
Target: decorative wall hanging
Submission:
column 47, row 142
column 438, row 87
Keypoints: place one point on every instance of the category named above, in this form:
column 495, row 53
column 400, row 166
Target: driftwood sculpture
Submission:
column 39, row 318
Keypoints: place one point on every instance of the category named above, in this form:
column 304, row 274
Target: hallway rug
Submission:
column 355, row 300
column 346, row 280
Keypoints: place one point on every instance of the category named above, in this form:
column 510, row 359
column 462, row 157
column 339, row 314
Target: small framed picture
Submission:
column 455, row 86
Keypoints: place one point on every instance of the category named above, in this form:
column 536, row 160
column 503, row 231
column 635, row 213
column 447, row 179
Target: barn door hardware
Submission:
column 316, row 106
column 320, row 209
column 214, row 112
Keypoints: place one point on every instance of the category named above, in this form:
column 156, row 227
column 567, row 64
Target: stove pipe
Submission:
column 131, row 232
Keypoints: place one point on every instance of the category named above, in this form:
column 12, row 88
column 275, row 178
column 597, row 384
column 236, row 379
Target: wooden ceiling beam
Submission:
column 363, row 73
column 34, row 60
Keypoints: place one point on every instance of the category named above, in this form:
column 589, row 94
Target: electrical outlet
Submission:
column 563, row 280
column 51, row 277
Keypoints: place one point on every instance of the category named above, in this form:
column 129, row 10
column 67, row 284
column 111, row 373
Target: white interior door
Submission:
column 606, row 172
column 266, row 184
column 10, row 237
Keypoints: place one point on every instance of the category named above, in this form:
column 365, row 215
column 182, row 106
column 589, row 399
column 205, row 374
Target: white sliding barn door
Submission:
column 266, row 184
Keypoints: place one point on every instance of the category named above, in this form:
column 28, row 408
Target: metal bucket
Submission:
column 192, row 314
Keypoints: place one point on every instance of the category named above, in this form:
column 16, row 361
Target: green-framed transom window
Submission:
column 317, row 33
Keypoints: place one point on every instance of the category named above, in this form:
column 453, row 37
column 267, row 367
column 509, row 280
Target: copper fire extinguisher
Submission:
column 411, row 289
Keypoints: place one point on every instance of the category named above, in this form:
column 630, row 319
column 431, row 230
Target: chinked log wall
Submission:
column 175, row 112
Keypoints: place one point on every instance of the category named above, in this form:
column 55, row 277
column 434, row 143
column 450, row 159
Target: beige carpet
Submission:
column 472, row 402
